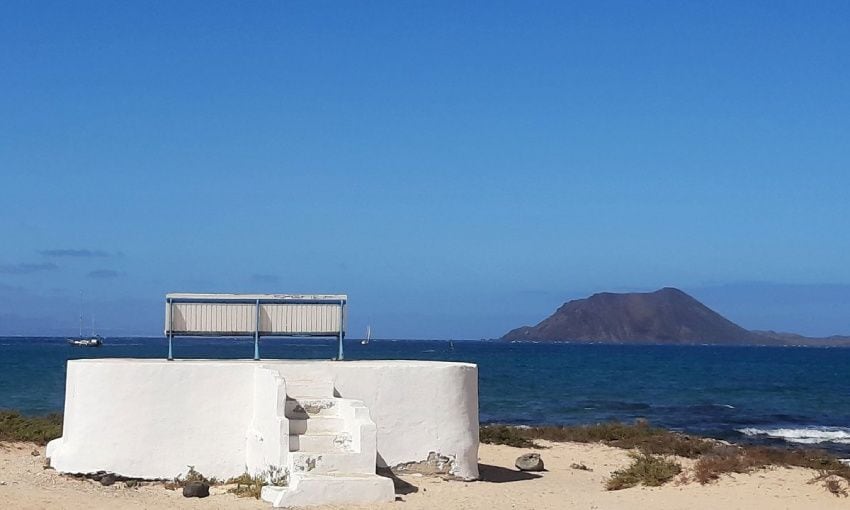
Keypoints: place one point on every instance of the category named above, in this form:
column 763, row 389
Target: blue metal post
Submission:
column 341, row 328
column 257, row 333
column 170, row 328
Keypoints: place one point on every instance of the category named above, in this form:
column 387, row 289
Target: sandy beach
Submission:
column 26, row 484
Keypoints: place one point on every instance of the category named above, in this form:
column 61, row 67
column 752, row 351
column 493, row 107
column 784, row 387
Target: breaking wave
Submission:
column 807, row 435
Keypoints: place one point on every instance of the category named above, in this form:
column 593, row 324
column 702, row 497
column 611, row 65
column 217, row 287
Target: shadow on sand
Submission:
column 498, row 474
column 486, row 473
column 401, row 487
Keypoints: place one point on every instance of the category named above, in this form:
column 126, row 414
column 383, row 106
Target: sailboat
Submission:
column 365, row 341
column 93, row 340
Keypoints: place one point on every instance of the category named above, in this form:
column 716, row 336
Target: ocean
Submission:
column 770, row 395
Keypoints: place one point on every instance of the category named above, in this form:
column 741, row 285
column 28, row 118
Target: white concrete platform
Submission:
column 332, row 490
column 154, row 418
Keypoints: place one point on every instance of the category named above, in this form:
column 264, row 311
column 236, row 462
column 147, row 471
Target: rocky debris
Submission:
column 196, row 490
column 316, row 407
column 580, row 466
column 435, row 464
column 529, row 462
column 111, row 478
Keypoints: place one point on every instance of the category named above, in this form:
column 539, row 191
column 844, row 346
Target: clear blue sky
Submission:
column 457, row 169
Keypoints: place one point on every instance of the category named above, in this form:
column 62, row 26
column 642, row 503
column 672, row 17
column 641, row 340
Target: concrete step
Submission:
column 304, row 408
column 341, row 489
column 309, row 388
column 330, row 463
column 316, row 425
column 320, row 443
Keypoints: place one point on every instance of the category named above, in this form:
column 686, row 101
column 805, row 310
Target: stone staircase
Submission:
column 332, row 450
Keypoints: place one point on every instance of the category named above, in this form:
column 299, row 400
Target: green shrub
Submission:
column 35, row 429
column 503, row 434
column 649, row 470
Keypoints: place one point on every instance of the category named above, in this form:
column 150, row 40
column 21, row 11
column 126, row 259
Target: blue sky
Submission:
column 458, row 170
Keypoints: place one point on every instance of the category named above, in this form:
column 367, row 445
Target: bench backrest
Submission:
column 255, row 314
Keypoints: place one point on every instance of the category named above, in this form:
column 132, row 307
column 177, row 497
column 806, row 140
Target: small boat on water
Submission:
column 366, row 340
column 90, row 341
column 93, row 340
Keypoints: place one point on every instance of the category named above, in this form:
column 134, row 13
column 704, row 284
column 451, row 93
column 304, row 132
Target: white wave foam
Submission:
column 807, row 435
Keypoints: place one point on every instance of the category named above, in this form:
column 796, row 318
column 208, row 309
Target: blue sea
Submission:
column 770, row 395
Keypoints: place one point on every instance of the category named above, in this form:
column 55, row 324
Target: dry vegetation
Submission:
column 38, row 429
column 833, row 486
column 251, row 486
column 506, row 435
column 191, row 475
column 247, row 486
column 653, row 444
column 645, row 469
column 745, row 459
column 640, row 435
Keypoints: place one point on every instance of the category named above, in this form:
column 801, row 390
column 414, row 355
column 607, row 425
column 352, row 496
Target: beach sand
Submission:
column 25, row 484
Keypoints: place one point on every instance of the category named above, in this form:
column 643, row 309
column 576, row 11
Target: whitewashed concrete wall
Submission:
column 153, row 418
column 419, row 406
column 268, row 437
column 149, row 419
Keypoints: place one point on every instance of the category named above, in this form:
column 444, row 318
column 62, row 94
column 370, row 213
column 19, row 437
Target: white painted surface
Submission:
column 268, row 435
column 418, row 406
column 333, row 467
column 332, row 490
column 241, row 318
column 153, row 418
column 238, row 314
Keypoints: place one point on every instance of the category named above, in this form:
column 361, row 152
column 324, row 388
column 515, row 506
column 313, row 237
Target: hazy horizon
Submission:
column 798, row 309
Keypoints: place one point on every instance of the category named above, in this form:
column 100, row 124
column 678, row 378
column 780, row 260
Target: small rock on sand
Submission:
column 529, row 462
column 196, row 490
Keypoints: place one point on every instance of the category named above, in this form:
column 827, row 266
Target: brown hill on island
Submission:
column 666, row 316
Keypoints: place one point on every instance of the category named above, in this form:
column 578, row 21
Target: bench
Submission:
column 294, row 315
